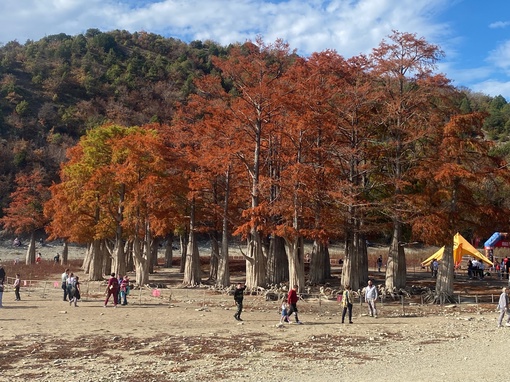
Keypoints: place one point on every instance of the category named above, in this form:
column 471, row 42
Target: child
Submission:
column 124, row 290
column 17, row 285
column 284, row 317
column 76, row 292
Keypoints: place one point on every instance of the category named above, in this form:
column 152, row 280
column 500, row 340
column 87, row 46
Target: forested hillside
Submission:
column 54, row 89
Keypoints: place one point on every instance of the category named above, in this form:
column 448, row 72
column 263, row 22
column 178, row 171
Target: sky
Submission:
column 474, row 34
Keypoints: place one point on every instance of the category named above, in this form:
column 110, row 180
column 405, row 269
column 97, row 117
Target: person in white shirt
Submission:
column 476, row 268
column 65, row 275
column 503, row 307
column 371, row 298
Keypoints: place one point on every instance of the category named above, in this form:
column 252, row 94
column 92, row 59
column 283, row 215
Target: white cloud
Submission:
column 500, row 56
column 492, row 88
column 350, row 27
column 499, row 24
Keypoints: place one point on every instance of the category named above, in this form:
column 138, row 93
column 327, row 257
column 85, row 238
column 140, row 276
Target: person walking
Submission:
column 238, row 298
column 504, row 307
column 75, row 295
column 2, row 280
column 112, row 289
column 16, row 286
column 379, row 263
column 435, row 268
column 292, row 299
column 371, row 298
column 71, row 287
column 347, row 303
column 124, row 290
column 284, row 317
column 65, row 275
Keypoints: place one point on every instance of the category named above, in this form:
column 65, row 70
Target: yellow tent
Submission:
column 461, row 247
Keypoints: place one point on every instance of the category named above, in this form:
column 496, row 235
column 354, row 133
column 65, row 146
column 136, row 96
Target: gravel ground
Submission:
column 190, row 335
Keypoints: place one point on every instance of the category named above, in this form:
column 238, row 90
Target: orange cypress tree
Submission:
column 25, row 215
column 115, row 186
column 459, row 193
column 412, row 104
column 247, row 93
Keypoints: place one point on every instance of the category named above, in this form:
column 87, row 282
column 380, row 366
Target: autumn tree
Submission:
column 250, row 74
column 208, row 140
column 25, row 215
column 116, row 183
column 407, row 90
column 460, row 193
column 351, row 109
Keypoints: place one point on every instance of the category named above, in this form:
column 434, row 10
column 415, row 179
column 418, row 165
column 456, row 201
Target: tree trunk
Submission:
column 65, row 253
column 355, row 267
column 255, row 261
column 30, row 256
column 215, row 257
column 192, row 271
column 96, row 263
column 128, row 253
column 169, row 252
column 296, row 256
column 87, row 260
column 396, row 272
column 223, row 279
column 277, row 261
column 320, row 265
column 154, row 249
column 107, row 258
column 445, row 275
column 140, row 262
column 223, row 276
column 118, row 256
column 184, row 252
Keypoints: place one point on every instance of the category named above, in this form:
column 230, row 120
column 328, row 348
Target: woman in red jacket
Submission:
column 112, row 289
column 292, row 300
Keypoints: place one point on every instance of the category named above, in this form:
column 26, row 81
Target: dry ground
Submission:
column 190, row 335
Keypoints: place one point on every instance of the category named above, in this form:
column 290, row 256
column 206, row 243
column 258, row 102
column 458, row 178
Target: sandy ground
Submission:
column 191, row 335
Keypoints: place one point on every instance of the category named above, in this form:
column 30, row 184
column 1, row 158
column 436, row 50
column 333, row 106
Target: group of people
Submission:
column 16, row 285
column 502, row 267
column 371, row 296
column 71, row 287
column 117, row 288
column 289, row 306
column 476, row 269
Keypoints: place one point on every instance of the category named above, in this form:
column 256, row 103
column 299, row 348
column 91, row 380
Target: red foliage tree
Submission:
column 25, row 215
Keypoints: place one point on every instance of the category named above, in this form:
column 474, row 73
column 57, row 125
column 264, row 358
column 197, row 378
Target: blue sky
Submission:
column 474, row 34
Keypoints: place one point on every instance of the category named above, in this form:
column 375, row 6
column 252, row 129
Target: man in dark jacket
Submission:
column 238, row 298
